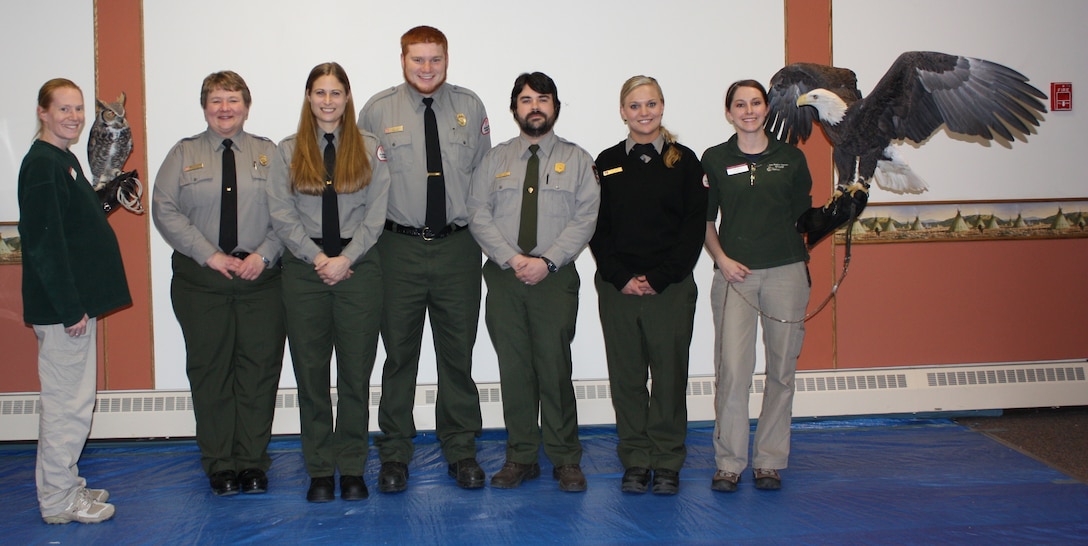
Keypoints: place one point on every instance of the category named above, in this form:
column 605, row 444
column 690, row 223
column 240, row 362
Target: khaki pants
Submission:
column 781, row 292
column 67, row 369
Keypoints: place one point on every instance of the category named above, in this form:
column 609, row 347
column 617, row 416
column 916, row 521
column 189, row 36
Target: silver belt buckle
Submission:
column 428, row 234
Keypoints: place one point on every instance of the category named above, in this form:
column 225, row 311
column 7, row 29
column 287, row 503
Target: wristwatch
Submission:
column 265, row 260
column 552, row 268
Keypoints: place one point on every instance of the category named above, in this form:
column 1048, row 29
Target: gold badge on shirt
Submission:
column 263, row 160
column 461, row 120
column 560, row 167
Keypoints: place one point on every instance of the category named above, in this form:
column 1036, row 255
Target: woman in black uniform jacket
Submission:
column 649, row 235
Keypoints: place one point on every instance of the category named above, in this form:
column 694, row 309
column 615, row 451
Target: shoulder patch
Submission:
column 485, row 128
column 706, row 181
column 380, row 152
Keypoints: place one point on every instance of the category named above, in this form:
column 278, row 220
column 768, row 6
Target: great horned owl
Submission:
column 110, row 142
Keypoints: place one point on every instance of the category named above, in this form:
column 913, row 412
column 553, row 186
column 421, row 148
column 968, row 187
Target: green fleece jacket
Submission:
column 71, row 259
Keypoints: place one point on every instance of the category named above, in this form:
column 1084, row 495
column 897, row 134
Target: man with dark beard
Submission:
column 533, row 208
column 434, row 134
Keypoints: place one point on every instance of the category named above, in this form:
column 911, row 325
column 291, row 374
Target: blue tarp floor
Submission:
column 863, row 481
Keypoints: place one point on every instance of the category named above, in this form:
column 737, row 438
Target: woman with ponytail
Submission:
column 649, row 235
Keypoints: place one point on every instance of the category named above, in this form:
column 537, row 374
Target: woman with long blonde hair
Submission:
column 328, row 194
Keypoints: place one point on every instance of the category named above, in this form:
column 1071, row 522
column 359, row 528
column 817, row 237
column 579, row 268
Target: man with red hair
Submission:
column 434, row 134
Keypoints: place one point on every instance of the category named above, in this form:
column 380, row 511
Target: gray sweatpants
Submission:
column 67, row 368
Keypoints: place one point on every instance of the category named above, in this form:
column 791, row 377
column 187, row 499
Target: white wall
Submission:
column 588, row 48
column 39, row 41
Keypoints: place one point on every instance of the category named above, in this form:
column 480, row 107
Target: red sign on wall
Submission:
column 1061, row 96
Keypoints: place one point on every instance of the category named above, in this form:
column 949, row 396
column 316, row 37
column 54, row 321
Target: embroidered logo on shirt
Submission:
column 775, row 167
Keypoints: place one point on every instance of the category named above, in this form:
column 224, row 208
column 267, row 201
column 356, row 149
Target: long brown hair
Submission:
column 353, row 168
column 672, row 154
column 45, row 97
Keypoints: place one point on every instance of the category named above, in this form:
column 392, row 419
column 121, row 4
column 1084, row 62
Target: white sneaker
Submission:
column 84, row 509
column 99, row 495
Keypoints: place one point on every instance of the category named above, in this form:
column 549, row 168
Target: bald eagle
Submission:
column 920, row 92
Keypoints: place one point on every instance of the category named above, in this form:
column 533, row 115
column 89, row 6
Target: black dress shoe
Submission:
column 322, row 489
column 393, row 477
column 253, row 481
column 224, row 483
column 468, row 473
column 635, row 480
column 353, row 488
column 666, row 482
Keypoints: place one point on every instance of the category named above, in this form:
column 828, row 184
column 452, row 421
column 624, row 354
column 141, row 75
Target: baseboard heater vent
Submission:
column 999, row 377
column 20, row 407
column 132, row 404
column 819, row 393
column 851, row 382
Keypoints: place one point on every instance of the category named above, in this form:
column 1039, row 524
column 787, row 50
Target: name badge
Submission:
column 736, row 169
column 503, row 175
column 613, row 171
column 396, row 129
column 193, row 167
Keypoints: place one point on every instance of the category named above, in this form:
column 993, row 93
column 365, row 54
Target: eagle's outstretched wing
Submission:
column 923, row 90
column 793, row 123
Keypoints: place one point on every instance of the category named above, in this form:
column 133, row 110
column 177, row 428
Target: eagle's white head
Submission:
column 830, row 107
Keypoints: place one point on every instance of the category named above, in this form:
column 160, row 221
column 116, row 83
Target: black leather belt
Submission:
column 424, row 232
column 319, row 241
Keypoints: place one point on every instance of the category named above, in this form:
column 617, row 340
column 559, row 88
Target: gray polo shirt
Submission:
column 464, row 134
column 297, row 217
column 187, row 197
column 566, row 206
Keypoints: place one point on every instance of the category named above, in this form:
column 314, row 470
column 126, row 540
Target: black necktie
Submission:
column 228, row 213
column 330, row 212
column 527, row 233
column 436, row 183
column 645, row 152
